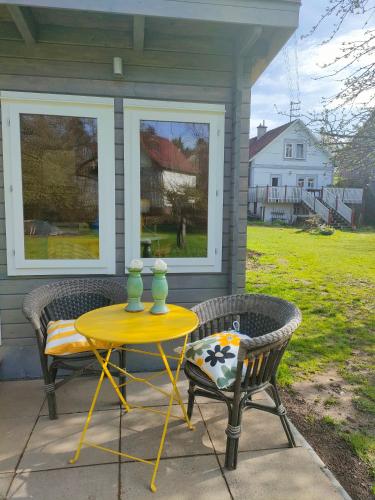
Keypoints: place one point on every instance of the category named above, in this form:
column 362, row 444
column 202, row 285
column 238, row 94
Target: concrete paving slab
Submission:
column 139, row 393
column 260, row 430
column 5, row 481
column 14, row 433
column 21, row 398
column 53, row 442
column 76, row 396
column 289, row 474
column 187, row 478
column 141, row 432
column 81, row 483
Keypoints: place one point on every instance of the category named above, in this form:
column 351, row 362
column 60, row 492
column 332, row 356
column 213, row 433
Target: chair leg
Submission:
column 233, row 432
column 51, row 400
column 191, row 399
column 122, row 377
column 281, row 412
column 49, row 384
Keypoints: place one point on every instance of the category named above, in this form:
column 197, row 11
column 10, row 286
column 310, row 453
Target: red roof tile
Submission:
column 167, row 155
column 256, row 145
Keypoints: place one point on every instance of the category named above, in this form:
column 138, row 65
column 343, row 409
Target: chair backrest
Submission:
column 269, row 323
column 69, row 299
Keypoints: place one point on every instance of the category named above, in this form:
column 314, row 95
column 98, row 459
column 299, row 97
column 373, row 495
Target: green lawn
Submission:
column 80, row 246
column 166, row 246
column 332, row 280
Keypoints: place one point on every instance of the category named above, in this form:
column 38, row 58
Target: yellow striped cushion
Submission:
column 63, row 339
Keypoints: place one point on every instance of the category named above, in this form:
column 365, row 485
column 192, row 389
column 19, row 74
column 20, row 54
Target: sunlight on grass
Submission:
column 80, row 246
column 332, row 280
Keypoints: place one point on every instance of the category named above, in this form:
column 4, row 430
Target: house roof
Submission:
column 167, row 155
column 256, row 145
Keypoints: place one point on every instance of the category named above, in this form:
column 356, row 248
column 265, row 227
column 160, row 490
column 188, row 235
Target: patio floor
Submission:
column 34, row 451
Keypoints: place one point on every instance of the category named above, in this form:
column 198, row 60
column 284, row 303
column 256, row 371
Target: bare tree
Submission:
column 346, row 123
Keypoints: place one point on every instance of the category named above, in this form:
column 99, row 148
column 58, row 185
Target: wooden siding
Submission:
column 166, row 75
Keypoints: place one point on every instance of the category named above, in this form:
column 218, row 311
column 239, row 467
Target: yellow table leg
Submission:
column 89, row 415
column 174, row 380
column 174, row 391
column 108, row 374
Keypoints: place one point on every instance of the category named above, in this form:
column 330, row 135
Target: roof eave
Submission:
column 278, row 13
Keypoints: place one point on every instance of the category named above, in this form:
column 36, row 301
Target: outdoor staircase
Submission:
column 330, row 208
column 336, row 220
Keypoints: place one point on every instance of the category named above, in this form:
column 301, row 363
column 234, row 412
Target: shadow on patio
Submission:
column 35, row 451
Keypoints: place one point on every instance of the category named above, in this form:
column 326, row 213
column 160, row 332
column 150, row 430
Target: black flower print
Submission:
column 219, row 355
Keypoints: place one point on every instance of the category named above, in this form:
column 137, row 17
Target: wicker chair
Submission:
column 67, row 299
column 269, row 322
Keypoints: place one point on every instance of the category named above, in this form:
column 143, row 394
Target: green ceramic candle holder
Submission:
column 159, row 290
column 135, row 290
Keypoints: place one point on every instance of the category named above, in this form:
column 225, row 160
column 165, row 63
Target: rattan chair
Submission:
column 68, row 299
column 269, row 322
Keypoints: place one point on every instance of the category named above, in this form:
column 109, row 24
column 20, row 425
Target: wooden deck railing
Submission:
column 317, row 206
column 334, row 201
column 293, row 194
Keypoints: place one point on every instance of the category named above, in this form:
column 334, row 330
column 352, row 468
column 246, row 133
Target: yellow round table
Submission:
column 116, row 329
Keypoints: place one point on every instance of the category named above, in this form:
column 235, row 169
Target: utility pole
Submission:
column 294, row 110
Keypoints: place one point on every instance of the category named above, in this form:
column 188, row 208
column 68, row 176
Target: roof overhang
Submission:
column 281, row 13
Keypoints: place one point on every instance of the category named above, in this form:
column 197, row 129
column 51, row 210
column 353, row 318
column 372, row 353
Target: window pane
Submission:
column 60, row 187
column 288, row 151
column 301, row 182
column 299, row 151
column 174, row 188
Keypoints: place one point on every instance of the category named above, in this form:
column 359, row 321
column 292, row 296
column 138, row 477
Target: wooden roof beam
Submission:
column 25, row 23
column 138, row 32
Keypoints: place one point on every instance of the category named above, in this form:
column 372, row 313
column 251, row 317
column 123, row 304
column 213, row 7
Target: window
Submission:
column 288, row 150
column 300, row 151
column 294, row 150
column 59, row 175
column 306, row 181
column 173, row 183
column 275, row 180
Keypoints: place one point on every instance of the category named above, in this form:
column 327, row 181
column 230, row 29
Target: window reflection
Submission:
column 60, row 186
column 174, row 188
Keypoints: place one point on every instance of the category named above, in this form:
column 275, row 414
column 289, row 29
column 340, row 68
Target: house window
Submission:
column 173, row 183
column 59, row 171
column 300, row 151
column 311, row 182
column 275, row 180
column 301, row 182
column 294, row 150
column 288, row 150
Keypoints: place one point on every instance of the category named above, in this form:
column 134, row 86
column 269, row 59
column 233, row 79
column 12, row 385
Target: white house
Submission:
column 283, row 163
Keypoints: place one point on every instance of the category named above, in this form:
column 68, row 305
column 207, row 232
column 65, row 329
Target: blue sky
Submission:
column 273, row 87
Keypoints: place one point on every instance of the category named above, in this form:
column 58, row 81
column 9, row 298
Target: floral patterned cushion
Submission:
column 216, row 356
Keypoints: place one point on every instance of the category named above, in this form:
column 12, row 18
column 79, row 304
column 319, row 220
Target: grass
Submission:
column 332, row 280
column 195, row 245
column 80, row 246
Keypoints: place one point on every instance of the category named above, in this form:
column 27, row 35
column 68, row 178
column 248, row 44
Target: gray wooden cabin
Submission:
column 188, row 51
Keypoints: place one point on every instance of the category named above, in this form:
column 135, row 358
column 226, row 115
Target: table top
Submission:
column 114, row 324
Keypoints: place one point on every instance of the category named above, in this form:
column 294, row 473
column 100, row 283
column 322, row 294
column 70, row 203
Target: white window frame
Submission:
column 214, row 115
column 12, row 105
column 293, row 147
column 303, row 150
column 291, row 150
column 278, row 177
